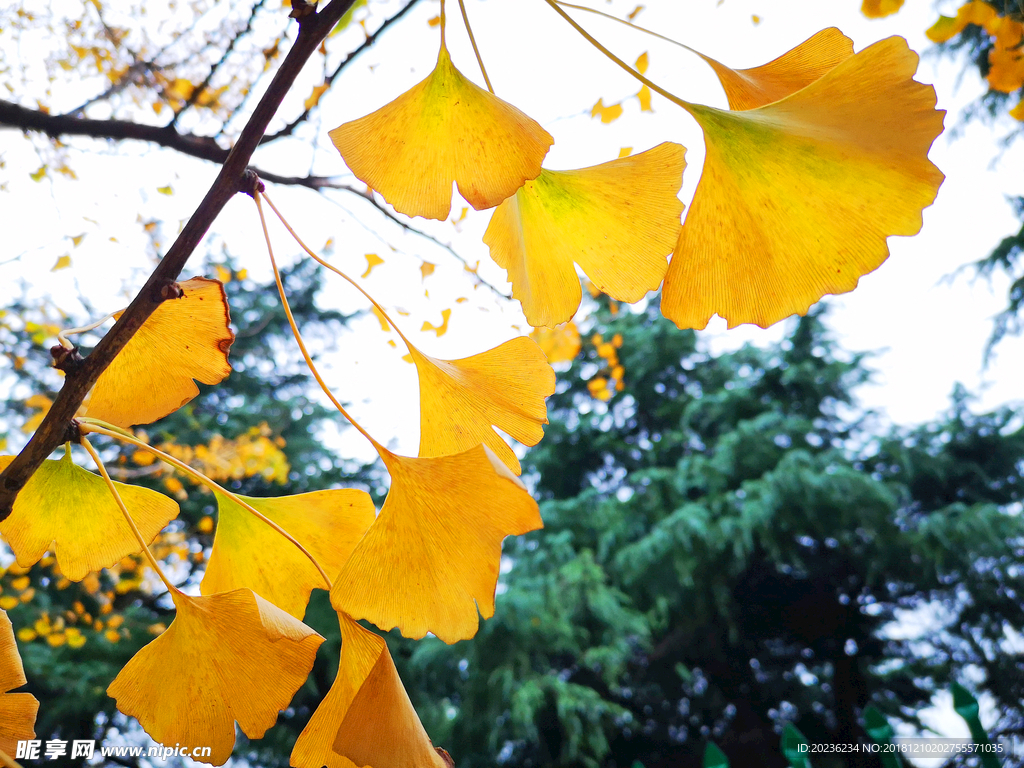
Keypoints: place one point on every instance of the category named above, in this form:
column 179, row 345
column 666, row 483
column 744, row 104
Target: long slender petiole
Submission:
column 472, row 40
column 62, row 335
column 298, row 336
column 335, row 270
column 630, row 24
column 89, row 425
column 7, row 761
column 594, row 42
column 124, row 510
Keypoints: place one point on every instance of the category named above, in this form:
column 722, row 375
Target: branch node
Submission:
column 251, row 184
column 302, row 8
column 67, row 360
column 166, row 291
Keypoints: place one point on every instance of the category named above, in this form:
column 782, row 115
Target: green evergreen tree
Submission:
column 725, row 542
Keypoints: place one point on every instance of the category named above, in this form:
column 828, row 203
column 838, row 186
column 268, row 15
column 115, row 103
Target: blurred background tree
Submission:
column 731, row 544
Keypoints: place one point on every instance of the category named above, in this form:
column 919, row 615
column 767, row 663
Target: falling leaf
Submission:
column 634, row 13
column 644, row 96
column 366, row 717
column 184, row 339
column 808, row 62
column 445, row 129
column 248, row 553
column 314, row 98
column 879, row 9
column 17, row 710
column 39, row 174
column 560, row 344
column 642, row 63
column 232, row 656
column 797, row 198
column 426, row 270
column 460, row 400
column 434, row 21
column 48, row 514
column 607, row 114
column 431, row 558
column 168, row 190
column 617, row 220
column 77, row 240
column 756, row 19
column 441, row 329
column 372, row 260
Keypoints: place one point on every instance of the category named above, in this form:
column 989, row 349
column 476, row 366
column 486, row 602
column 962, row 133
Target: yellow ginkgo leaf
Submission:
column 184, row 339
column 618, row 221
column 431, row 558
column 460, row 400
column 797, row 198
column 48, row 514
column 366, row 718
column 561, row 344
column 232, row 656
column 441, row 329
column 444, row 129
column 314, row 97
column 248, row 553
column 796, row 69
column 62, row 263
column 17, row 710
column 975, row 12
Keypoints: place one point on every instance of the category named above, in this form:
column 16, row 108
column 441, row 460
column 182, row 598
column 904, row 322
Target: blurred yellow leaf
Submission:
column 184, row 339
column 314, row 98
column 946, row 28
column 797, row 197
column 372, row 260
column 441, row 329
column 642, row 63
column 168, row 190
column 445, row 129
column 607, row 114
column 426, row 270
column 366, row 718
column 644, row 95
column 617, row 220
column 248, row 553
column 48, row 514
column 560, row 344
column 879, row 9
column 232, row 656
column 431, row 558
column 17, row 710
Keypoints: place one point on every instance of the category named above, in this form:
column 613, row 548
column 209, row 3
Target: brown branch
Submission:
column 329, row 80
column 56, row 426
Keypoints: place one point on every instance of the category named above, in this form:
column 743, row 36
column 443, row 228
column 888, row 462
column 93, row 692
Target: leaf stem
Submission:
column 472, row 39
column 335, row 270
column 298, row 336
column 637, row 27
column 62, row 335
column 8, row 761
column 92, row 425
column 124, row 510
column 594, row 42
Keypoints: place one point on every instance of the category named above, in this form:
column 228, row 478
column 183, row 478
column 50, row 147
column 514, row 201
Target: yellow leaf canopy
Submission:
column 228, row 657
column 431, row 558
column 618, row 221
column 461, row 399
column 797, row 197
column 249, row 553
column 560, row 344
column 366, row 718
column 444, row 129
column 17, row 710
column 184, row 339
column 50, row 512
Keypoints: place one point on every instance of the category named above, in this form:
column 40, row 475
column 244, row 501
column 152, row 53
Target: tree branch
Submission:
column 57, row 426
